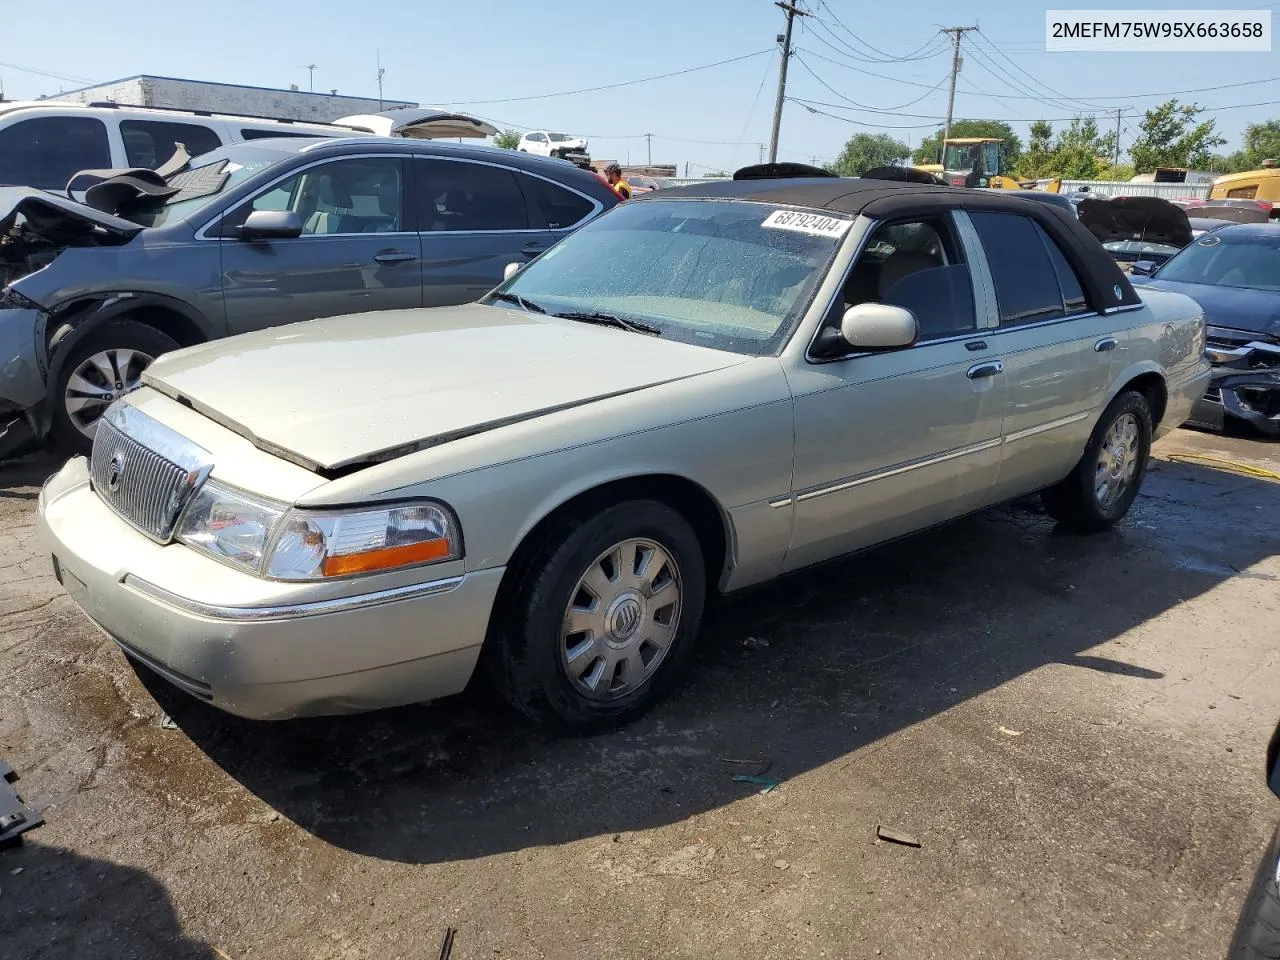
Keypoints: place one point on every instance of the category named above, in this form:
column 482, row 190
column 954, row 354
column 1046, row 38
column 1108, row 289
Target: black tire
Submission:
column 1074, row 502
column 1257, row 934
column 524, row 647
column 122, row 334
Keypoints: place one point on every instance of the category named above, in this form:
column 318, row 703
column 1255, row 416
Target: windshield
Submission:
column 731, row 275
column 559, row 137
column 1226, row 259
column 207, row 178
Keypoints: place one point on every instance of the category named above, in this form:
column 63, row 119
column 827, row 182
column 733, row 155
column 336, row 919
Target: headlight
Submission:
column 265, row 537
column 231, row 525
column 313, row 544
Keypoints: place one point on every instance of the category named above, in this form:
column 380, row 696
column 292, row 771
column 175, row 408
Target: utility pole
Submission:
column 649, row 139
column 792, row 11
column 1116, row 162
column 761, row 146
column 311, row 83
column 956, row 34
column 380, row 74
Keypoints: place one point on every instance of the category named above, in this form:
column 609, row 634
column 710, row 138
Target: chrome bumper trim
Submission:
column 293, row 611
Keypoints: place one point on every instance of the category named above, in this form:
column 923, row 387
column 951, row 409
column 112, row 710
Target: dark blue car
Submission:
column 1234, row 274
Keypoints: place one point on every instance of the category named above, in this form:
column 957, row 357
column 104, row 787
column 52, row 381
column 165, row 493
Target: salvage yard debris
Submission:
column 16, row 818
column 768, row 783
column 894, row 836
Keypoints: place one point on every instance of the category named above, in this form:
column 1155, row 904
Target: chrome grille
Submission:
column 144, row 471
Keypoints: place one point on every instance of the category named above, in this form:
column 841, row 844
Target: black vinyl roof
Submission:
column 1106, row 283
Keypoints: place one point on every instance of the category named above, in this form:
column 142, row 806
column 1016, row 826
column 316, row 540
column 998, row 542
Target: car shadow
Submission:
column 60, row 904
column 21, row 478
column 801, row 672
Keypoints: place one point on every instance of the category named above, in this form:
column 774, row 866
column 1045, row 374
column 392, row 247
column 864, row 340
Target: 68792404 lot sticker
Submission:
column 814, row 224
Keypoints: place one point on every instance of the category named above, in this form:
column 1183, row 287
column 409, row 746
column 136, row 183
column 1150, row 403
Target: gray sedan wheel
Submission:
column 99, row 381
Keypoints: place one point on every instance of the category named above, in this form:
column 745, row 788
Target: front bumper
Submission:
column 1183, row 392
column 1245, row 386
column 22, row 386
column 284, row 655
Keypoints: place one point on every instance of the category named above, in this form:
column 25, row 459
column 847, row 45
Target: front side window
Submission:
column 1026, row 282
column 461, row 196
column 360, row 195
column 149, row 143
column 560, row 137
column 45, row 152
column 538, row 137
column 916, row 265
column 730, row 275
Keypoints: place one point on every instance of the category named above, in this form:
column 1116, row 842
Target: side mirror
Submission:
column 271, row 225
column 878, row 326
column 511, row 270
column 1273, row 763
column 1143, row 268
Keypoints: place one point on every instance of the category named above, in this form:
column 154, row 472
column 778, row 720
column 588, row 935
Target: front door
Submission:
column 475, row 219
column 356, row 252
column 890, row 442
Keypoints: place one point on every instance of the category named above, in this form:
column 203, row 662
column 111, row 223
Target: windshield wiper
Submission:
column 609, row 320
column 527, row 305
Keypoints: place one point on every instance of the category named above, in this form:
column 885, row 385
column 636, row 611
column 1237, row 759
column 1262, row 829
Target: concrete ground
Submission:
column 1073, row 729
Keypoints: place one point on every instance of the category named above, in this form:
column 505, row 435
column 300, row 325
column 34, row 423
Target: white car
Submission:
column 547, row 144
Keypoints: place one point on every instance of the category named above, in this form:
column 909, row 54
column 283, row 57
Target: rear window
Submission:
column 149, row 143
column 553, row 205
column 1027, row 278
column 45, row 152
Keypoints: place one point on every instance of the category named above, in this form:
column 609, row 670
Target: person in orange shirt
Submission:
column 613, row 177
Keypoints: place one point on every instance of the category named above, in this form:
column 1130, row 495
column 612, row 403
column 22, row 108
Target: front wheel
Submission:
column 105, row 364
column 604, row 618
column 1102, row 487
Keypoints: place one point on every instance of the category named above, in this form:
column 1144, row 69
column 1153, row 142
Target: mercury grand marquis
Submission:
column 702, row 390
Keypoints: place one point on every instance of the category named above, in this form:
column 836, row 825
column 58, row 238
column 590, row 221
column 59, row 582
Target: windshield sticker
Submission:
column 814, row 224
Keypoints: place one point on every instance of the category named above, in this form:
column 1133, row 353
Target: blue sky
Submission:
column 500, row 51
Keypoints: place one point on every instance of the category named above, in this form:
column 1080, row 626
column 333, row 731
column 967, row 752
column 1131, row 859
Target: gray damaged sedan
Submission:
column 702, row 390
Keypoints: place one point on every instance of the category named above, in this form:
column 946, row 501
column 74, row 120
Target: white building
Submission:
column 293, row 104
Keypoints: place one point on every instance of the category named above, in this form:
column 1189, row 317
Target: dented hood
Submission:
column 333, row 393
column 56, row 217
column 1149, row 219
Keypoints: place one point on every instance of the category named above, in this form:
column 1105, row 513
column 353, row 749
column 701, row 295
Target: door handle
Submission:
column 531, row 249
column 395, row 257
column 1105, row 344
column 988, row 369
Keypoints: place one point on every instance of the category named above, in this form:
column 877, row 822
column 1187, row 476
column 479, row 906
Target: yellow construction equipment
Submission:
column 977, row 162
column 1261, row 184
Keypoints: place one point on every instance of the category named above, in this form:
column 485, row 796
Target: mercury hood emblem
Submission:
column 115, row 471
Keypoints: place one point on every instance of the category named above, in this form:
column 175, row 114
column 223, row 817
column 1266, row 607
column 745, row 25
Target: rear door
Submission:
column 1057, row 352
column 356, row 252
column 474, row 219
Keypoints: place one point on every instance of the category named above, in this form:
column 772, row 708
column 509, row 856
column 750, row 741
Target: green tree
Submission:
column 1261, row 142
column 1171, row 136
column 507, row 139
column 1038, row 158
column 1010, row 148
column 1082, row 151
column 867, row 150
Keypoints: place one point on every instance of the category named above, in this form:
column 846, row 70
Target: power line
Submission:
column 863, row 106
column 751, row 112
column 1035, row 80
column 45, row 73
column 615, row 86
column 888, row 57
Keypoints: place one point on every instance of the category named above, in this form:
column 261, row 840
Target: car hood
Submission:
column 421, row 123
column 57, row 217
column 343, row 392
column 1135, row 218
column 1238, row 308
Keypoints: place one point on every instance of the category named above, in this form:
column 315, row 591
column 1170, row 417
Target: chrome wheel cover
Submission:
column 98, row 382
column 621, row 619
column 1117, row 461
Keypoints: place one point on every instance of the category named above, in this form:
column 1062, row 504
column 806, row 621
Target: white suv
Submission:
column 547, row 144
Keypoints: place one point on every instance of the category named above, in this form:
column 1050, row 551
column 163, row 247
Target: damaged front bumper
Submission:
column 1245, row 386
column 22, row 381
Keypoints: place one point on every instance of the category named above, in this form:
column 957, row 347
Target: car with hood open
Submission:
column 249, row 236
column 1234, row 274
column 355, row 512
column 1149, row 229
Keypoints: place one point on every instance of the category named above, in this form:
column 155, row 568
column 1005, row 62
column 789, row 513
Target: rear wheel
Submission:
column 604, row 618
column 103, row 365
column 1102, row 487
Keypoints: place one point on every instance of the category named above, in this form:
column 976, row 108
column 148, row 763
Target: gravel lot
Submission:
column 1073, row 728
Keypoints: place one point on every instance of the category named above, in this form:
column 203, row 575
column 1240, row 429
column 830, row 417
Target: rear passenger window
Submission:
column 45, row 152
column 149, row 143
column 457, row 196
column 1073, row 299
column 1026, row 282
column 555, row 206
column 916, row 265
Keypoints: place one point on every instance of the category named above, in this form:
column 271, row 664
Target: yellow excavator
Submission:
column 977, row 162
